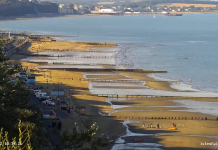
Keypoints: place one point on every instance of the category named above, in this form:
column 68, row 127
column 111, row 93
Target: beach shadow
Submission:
column 149, row 131
column 123, row 103
column 186, row 148
column 37, row 75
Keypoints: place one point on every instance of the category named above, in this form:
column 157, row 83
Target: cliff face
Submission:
column 23, row 8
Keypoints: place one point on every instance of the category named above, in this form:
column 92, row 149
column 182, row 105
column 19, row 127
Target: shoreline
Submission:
column 114, row 127
column 13, row 18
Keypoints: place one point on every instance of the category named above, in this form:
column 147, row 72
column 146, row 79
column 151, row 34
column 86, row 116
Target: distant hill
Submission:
column 24, row 8
column 149, row 2
column 186, row 5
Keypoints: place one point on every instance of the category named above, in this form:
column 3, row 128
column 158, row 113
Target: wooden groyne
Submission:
column 167, row 118
column 110, row 80
column 89, row 64
column 66, row 56
column 101, row 69
column 159, row 118
column 74, row 50
column 143, row 96
column 118, row 80
column 81, row 57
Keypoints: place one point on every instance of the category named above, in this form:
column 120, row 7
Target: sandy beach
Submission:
column 128, row 118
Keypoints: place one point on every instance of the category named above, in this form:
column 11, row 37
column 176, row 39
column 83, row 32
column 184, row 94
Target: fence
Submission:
column 109, row 80
column 78, row 57
column 119, row 80
column 168, row 118
column 144, row 96
column 74, row 50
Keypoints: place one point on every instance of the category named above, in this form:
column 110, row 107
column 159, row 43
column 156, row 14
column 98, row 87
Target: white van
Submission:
column 40, row 94
column 36, row 91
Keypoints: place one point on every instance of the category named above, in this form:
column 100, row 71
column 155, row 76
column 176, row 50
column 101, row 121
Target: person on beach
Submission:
column 158, row 126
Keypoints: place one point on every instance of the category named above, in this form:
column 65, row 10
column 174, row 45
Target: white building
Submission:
column 64, row 9
column 106, row 10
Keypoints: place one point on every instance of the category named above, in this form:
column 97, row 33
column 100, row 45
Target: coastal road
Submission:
column 46, row 109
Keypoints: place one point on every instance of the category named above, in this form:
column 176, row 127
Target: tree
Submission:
column 76, row 139
column 14, row 106
column 23, row 140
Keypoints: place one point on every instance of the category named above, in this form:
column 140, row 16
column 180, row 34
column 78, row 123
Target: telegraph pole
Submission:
column 58, row 88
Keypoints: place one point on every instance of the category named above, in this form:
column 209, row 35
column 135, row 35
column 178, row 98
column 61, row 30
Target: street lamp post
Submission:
column 47, row 76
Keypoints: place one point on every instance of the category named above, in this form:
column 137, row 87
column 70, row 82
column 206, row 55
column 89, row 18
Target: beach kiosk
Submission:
column 81, row 110
column 55, row 92
column 22, row 75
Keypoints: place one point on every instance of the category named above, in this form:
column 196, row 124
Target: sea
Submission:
column 185, row 46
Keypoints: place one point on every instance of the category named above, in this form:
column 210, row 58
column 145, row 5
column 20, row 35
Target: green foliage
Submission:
column 2, row 55
column 76, row 138
column 14, row 107
column 19, row 143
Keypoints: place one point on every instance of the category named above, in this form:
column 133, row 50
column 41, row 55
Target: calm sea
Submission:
column 152, row 42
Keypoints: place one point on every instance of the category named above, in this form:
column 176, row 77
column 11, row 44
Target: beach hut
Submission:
column 55, row 92
column 81, row 109
column 22, row 75
column 31, row 80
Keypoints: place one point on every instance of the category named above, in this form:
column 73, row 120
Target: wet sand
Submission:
column 181, row 138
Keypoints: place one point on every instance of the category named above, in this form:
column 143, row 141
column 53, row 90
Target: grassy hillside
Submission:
column 185, row 5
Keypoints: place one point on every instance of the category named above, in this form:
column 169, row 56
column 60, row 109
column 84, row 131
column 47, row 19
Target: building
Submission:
column 96, row 8
column 55, row 92
column 31, row 80
column 65, row 9
column 76, row 7
column 107, row 11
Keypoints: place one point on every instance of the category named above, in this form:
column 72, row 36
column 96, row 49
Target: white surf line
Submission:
column 121, row 144
column 198, row 106
column 175, row 84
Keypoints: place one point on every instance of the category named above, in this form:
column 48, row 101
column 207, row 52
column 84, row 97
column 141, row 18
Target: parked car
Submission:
column 49, row 102
column 44, row 97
